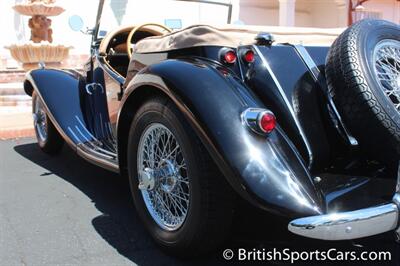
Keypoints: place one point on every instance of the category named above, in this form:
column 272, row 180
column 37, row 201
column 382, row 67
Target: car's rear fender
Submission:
column 266, row 171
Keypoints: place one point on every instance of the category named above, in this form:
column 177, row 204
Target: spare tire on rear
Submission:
column 363, row 76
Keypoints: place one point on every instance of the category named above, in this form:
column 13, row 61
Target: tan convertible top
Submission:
column 203, row 35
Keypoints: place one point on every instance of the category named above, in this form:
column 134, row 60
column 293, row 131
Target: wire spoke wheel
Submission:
column 178, row 192
column 48, row 138
column 40, row 119
column 387, row 69
column 163, row 178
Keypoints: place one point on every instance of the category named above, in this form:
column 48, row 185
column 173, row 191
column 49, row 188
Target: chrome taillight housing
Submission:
column 248, row 56
column 261, row 121
column 228, row 56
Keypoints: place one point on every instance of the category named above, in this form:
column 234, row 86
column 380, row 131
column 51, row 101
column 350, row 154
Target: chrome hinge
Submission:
column 91, row 87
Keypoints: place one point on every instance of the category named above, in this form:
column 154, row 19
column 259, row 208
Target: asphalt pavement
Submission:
column 62, row 210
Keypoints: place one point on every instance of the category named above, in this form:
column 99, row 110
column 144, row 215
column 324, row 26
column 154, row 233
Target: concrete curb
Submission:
column 15, row 122
column 16, row 133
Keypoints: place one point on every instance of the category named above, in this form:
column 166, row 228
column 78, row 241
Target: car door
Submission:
column 100, row 93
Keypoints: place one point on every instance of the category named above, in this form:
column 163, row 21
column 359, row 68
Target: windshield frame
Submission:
column 96, row 28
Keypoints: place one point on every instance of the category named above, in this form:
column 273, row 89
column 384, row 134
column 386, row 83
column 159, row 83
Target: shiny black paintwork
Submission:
column 78, row 109
column 297, row 105
column 212, row 98
column 276, row 173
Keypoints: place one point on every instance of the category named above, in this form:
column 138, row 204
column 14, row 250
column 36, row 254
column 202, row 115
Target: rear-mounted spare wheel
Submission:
column 363, row 75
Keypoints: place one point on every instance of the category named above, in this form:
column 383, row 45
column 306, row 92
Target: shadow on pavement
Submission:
column 121, row 228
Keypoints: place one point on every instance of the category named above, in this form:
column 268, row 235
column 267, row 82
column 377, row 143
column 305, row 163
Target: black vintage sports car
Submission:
column 199, row 116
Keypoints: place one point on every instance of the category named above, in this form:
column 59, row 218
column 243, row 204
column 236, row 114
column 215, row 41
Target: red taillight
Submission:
column 248, row 56
column 261, row 121
column 230, row 57
column 267, row 122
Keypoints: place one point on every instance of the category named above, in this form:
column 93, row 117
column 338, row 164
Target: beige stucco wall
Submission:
column 309, row 13
column 327, row 14
column 266, row 12
column 255, row 15
column 313, row 13
column 390, row 9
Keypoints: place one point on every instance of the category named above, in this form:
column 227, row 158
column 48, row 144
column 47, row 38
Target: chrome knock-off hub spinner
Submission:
column 147, row 180
column 166, row 177
column 170, row 176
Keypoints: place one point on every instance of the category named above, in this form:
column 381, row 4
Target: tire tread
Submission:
column 355, row 99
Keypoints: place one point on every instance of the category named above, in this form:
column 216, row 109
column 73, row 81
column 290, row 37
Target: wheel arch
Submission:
column 132, row 103
column 28, row 87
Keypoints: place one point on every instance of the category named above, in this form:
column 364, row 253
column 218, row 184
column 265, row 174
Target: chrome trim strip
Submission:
column 315, row 73
column 98, row 148
column 396, row 200
column 398, row 180
column 240, row 62
column 87, row 131
column 92, row 158
column 103, row 63
column 92, row 149
column 307, row 59
column 83, row 136
column 348, row 225
column 97, row 25
column 289, row 106
column 73, row 134
column 103, row 163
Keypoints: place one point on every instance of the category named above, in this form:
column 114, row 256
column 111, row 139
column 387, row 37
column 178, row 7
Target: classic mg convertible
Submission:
column 200, row 117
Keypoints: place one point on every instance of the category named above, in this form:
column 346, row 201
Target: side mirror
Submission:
column 75, row 23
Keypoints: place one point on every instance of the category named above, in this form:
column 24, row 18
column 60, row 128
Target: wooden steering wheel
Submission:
column 135, row 29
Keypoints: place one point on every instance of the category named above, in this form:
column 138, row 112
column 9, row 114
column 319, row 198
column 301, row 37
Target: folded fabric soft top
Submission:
column 203, row 35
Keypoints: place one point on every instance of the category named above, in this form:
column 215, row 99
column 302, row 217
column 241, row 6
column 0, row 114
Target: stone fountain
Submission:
column 40, row 48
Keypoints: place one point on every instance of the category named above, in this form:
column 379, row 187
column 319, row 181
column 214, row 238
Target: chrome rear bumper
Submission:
column 350, row 225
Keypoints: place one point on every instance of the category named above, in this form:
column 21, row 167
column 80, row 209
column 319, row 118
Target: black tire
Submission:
column 209, row 214
column 368, row 112
column 53, row 142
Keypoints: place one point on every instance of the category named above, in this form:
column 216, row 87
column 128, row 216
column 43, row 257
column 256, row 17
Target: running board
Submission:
column 93, row 153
